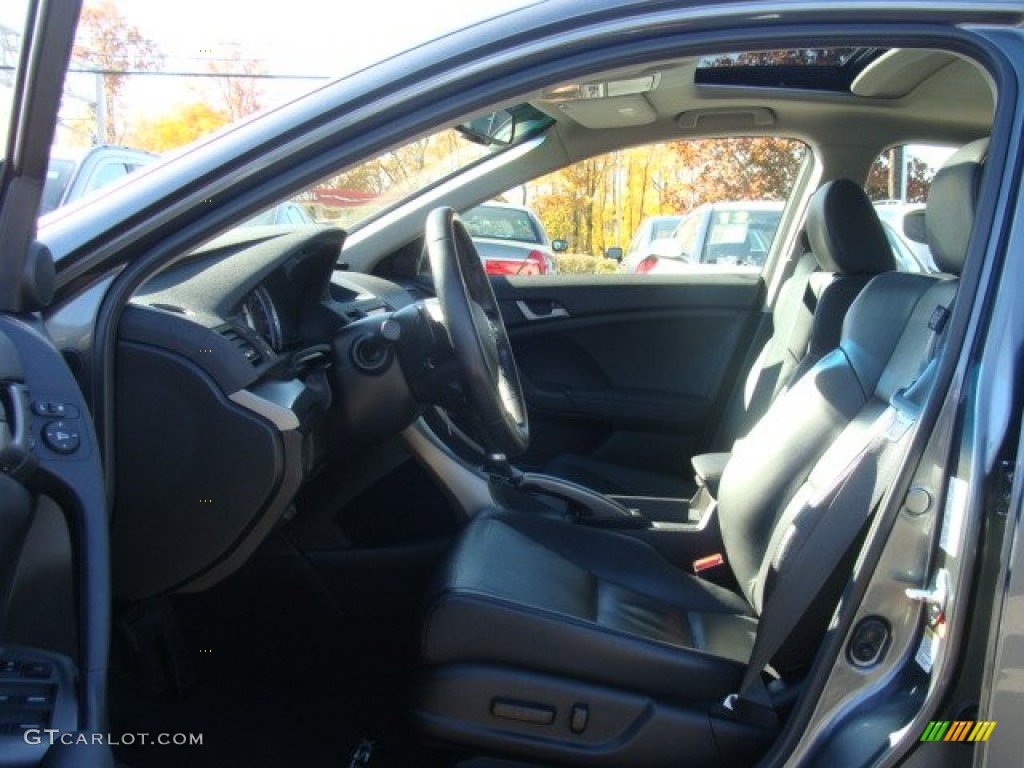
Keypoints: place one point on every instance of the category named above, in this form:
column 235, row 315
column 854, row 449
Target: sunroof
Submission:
column 822, row 69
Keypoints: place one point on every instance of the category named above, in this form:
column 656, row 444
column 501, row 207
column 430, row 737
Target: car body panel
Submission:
column 580, row 354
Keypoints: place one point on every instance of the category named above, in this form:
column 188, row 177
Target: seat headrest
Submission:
column 952, row 205
column 845, row 232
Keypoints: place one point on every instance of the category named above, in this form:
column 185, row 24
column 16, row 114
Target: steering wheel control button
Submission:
column 54, row 409
column 391, row 330
column 61, row 437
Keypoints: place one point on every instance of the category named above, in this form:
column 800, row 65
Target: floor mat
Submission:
column 268, row 725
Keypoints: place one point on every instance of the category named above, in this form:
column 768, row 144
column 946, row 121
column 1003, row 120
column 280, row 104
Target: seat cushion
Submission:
column 552, row 596
column 619, row 480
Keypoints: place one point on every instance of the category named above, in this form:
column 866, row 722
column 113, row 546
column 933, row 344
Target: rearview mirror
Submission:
column 506, row 127
column 614, row 253
column 559, row 246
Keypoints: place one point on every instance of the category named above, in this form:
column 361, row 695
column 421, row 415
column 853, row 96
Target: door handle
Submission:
column 541, row 310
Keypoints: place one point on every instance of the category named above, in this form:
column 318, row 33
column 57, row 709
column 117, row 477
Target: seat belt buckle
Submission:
column 705, row 563
column 738, row 707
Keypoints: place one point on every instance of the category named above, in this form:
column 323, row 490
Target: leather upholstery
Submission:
column 952, row 205
column 542, row 594
column 884, row 345
column 845, row 232
column 549, row 596
column 849, row 244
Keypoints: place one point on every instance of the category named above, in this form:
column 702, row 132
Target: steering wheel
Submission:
column 477, row 334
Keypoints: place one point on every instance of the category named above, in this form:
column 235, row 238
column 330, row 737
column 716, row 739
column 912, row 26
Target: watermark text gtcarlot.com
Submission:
column 53, row 736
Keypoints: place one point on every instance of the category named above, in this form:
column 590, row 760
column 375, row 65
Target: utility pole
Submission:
column 101, row 111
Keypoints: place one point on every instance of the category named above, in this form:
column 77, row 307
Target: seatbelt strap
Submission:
column 799, row 307
column 852, row 500
column 757, row 389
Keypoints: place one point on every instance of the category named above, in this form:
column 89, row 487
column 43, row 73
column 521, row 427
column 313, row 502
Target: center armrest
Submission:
column 708, row 469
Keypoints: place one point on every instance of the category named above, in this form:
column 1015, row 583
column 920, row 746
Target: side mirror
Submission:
column 614, row 253
column 559, row 246
column 914, row 228
column 667, row 248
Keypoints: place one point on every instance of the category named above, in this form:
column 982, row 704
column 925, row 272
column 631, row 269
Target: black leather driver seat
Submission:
column 849, row 247
column 588, row 647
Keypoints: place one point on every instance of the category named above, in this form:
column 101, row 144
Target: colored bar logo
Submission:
column 958, row 730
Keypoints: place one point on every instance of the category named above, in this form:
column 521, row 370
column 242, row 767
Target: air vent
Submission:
column 252, row 354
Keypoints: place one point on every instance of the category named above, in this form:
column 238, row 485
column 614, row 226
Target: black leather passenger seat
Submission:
column 535, row 620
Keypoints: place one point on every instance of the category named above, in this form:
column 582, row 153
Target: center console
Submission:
column 684, row 531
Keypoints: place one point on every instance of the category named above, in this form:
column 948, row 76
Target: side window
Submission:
column 898, row 184
column 682, row 207
column 106, row 174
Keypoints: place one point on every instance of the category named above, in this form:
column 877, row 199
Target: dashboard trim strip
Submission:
column 282, row 418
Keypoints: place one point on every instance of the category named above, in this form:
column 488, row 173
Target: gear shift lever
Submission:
column 587, row 505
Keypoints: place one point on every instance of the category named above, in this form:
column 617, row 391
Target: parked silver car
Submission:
column 511, row 240
column 73, row 173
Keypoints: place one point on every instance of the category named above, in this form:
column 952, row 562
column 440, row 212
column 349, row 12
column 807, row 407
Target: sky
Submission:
column 317, row 38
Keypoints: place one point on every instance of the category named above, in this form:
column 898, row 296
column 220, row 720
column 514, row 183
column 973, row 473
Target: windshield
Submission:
column 12, row 24
column 364, row 191
column 150, row 79
column 359, row 194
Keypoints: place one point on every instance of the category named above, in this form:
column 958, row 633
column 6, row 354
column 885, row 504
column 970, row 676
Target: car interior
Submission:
column 372, row 507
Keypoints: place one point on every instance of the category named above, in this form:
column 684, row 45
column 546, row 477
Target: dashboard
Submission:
column 235, row 384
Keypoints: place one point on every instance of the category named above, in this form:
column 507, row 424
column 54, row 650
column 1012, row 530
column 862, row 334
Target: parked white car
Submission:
column 729, row 233
column 651, row 228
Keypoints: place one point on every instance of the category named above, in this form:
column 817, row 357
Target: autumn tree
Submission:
column 238, row 87
column 113, row 47
column 421, row 162
column 884, row 181
column 178, row 128
column 601, row 201
column 572, row 204
column 715, row 170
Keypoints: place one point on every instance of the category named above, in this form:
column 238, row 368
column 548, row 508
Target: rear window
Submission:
column 501, row 224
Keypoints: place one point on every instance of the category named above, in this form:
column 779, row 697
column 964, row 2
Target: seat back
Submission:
column 816, row 429
column 847, row 245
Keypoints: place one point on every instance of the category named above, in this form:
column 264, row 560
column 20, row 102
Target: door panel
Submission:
column 631, row 369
